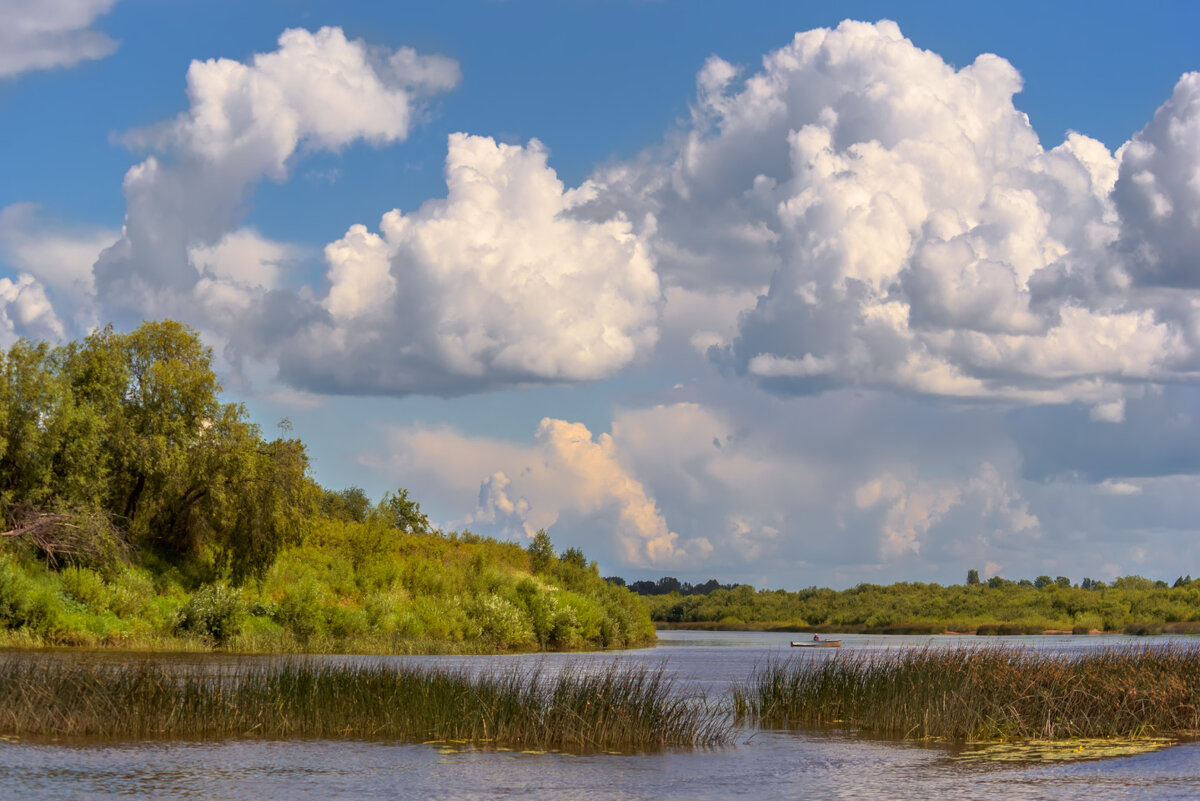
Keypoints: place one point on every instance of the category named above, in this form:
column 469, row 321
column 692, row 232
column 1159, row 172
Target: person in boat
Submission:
column 816, row 638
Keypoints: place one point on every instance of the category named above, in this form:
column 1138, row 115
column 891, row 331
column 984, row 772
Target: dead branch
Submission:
column 70, row 538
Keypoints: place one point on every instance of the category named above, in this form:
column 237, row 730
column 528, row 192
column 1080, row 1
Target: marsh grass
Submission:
column 983, row 694
column 623, row 709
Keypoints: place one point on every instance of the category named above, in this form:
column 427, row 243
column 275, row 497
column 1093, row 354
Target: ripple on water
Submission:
column 759, row 765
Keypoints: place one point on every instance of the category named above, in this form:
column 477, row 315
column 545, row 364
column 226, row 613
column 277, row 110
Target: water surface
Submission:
column 759, row 765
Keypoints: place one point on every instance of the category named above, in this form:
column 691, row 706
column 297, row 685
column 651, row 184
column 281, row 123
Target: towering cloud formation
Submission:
column 907, row 230
column 495, row 285
column 1158, row 193
column 43, row 34
column 246, row 122
column 897, row 220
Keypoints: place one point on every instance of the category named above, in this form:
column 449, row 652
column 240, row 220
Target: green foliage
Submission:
column 574, row 556
column 214, row 612
column 995, row 606
column 972, row 577
column 403, row 513
column 130, row 428
column 28, row 598
column 406, row 588
column 350, row 505
column 541, row 552
column 300, row 609
column 85, row 586
column 139, row 508
column 502, row 622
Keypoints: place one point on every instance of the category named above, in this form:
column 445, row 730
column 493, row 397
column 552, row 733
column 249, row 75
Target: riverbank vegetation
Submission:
column 576, row 710
column 973, row 694
column 1052, row 705
column 1130, row 604
column 139, row 510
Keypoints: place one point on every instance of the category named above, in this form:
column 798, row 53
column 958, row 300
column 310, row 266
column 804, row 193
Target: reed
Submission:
column 576, row 710
column 983, row 694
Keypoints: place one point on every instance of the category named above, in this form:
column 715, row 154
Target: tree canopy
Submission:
column 132, row 426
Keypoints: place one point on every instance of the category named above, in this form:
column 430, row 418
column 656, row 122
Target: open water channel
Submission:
column 757, row 764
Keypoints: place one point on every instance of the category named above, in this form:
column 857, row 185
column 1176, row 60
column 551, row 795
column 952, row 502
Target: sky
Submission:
column 779, row 293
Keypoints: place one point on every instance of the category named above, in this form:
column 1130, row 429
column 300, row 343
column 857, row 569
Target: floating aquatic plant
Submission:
column 1060, row 750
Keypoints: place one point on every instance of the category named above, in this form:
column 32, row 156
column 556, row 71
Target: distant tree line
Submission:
column 669, row 584
column 1127, row 603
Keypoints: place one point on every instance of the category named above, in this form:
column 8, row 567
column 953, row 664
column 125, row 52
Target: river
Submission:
column 757, row 764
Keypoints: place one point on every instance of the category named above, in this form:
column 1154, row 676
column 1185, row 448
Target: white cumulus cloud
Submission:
column 44, row 34
column 246, row 122
column 25, row 311
column 905, row 229
column 1158, row 192
column 245, row 257
column 58, row 256
column 496, row 285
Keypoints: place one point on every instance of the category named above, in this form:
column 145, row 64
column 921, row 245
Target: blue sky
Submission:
column 707, row 289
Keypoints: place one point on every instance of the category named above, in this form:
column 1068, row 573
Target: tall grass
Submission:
column 615, row 709
column 979, row 694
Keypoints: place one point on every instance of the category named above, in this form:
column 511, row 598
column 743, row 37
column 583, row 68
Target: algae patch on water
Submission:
column 1060, row 750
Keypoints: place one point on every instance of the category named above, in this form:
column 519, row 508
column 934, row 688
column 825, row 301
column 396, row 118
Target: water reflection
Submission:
column 759, row 765
column 762, row 766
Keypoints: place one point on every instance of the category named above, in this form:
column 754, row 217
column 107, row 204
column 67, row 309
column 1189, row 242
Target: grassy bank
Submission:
column 140, row 510
column 351, row 586
column 983, row 694
column 613, row 709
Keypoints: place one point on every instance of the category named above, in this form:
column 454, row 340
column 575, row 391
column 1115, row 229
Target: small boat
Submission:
column 816, row 643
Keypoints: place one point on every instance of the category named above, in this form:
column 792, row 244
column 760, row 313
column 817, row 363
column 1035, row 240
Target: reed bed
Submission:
column 983, row 694
column 576, row 710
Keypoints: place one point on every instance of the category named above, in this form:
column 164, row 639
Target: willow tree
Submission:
column 133, row 426
column 31, row 400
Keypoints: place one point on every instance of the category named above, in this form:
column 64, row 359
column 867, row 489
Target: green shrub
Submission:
column 502, row 622
column 263, row 634
column 29, row 600
column 85, row 586
column 130, row 593
column 300, row 611
column 261, row 608
column 343, row 622
column 214, row 612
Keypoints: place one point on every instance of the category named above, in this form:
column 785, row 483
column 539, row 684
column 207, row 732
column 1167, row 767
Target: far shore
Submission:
column 918, row 629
